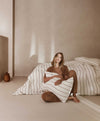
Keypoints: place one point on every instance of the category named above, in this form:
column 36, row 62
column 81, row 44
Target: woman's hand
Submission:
column 58, row 82
column 46, row 79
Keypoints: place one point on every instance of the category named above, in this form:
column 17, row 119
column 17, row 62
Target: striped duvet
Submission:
column 86, row 75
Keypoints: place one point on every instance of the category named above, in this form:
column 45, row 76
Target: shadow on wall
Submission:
column 3, row 56
column 42, row 25
column 36, row 39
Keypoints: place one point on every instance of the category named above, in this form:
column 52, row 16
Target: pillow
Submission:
column 97, row 70
column 91, row 61
column 48, row 74
column 62, row 90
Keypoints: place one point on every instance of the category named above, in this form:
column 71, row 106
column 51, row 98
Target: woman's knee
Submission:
column 72, row 73
column 44, row 96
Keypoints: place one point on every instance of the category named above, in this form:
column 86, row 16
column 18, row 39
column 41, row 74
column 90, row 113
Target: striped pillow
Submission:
column 91, row 61
column 62, row 90
column 97, row 70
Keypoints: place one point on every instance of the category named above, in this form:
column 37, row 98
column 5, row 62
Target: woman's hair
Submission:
column 62, row 59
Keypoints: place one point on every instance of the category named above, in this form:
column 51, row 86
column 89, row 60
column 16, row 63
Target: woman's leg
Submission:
column 72, row 73
column 50, row 97
column 73, row 98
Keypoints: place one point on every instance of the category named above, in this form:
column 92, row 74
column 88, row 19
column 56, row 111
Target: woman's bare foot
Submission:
column 73, row 98
column 76, row 99
column 70, row 97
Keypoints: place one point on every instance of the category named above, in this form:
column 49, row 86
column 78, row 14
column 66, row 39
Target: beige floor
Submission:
column 33, row 108
column 94, row 99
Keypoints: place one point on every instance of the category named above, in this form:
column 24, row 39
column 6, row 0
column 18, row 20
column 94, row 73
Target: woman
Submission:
column 59, row 67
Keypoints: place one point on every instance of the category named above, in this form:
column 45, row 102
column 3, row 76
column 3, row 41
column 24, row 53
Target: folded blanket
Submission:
column 62, row 90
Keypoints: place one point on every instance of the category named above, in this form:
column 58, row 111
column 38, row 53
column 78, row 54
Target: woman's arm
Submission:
column 66, row 73
column 64, row 77
column 46, row 79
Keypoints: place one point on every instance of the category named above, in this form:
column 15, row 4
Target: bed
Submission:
column 88, row 75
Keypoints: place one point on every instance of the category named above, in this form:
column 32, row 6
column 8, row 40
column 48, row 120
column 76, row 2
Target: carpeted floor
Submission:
column 33, row 108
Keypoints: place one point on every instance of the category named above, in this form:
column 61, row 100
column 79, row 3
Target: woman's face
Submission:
column 58, row 58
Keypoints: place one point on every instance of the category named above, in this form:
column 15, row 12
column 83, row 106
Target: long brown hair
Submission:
column 62, row 59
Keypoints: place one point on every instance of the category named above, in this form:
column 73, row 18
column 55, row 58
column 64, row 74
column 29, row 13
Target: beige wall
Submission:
column 3, row 56
column 6, row 28
column 44, row 27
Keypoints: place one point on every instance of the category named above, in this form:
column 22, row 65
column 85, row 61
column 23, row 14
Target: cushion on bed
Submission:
column 97, row 70
column 91, row 61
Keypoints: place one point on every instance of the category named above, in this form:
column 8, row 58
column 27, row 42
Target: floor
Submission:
column 94, row 99
column 33, row 108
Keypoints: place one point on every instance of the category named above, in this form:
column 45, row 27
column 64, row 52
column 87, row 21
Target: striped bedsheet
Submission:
column 87, row 82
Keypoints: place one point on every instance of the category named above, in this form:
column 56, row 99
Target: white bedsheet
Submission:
column 86, row 75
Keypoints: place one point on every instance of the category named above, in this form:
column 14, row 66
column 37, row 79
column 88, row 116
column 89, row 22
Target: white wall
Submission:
column 6, row 28
column 44, row 27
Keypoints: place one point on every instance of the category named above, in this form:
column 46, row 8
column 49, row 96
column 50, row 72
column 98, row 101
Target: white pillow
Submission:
column 91, row 61
column 62, row 90
column 49, row 74
column 97, row 70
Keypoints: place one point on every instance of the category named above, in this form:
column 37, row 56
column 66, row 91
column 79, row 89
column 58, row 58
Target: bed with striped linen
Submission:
column 86, row 75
